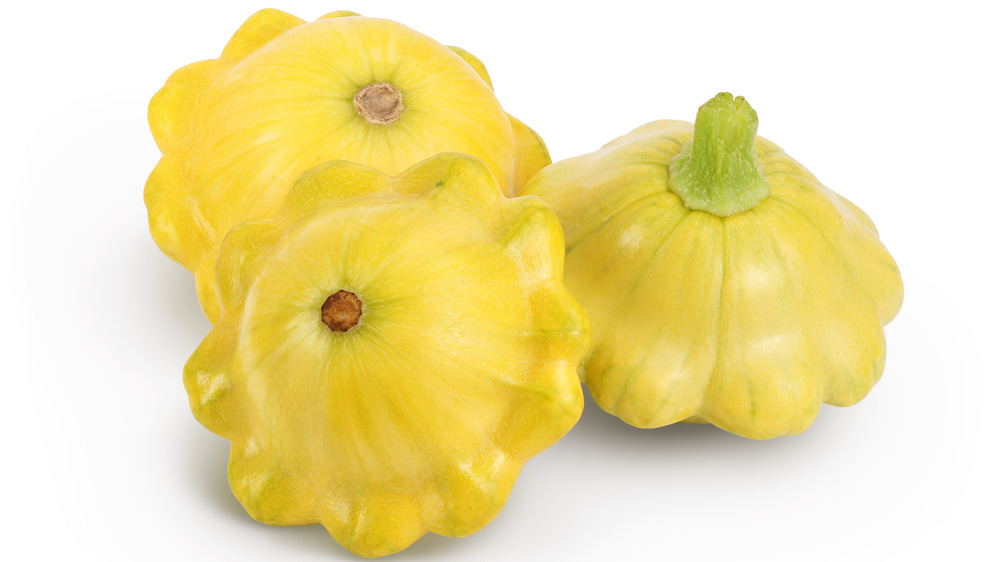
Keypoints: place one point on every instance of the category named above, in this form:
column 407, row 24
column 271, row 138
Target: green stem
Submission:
column 718, row 171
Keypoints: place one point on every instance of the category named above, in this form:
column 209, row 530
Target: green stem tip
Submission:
column 718, row 171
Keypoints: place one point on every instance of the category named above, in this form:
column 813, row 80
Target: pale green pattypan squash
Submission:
column 724, row 283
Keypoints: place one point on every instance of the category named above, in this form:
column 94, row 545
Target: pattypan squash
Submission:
column 287, row 95
column 391, row 351
column 724, row 283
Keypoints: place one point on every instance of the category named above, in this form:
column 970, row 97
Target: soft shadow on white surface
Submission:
column 433, row 547
column 203, row 459
column 175, row 303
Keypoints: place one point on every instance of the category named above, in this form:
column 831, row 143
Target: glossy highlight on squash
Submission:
column 286, row 95
column 724, row 283
column 391, row 351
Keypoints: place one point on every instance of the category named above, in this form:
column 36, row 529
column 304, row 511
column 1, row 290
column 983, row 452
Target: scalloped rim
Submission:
column 213, row 374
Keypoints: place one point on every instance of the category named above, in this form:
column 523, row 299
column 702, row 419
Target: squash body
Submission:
column 461, row 366
column 236, row 131
column 749, row 321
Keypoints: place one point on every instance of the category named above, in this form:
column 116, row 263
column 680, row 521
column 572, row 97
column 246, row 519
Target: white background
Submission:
column 894, row 105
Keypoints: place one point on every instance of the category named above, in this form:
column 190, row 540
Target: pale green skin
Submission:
column 723, row 282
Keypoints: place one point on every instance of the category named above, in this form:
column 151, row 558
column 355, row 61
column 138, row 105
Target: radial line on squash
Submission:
column 832, row 247
column 621, row 208
column 718, row 323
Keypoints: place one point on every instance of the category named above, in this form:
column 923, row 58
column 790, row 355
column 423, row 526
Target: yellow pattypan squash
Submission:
column 391, row 351
column 287, row 95
column 724, row 283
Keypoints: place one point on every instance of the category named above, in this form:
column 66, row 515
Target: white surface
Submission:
column 891, row 104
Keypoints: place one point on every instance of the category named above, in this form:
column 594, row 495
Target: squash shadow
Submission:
column 167, row 292
column 205, row 458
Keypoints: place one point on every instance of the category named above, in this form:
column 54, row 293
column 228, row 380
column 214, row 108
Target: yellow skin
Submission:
column 749, row 321
column 236, row 131
column 462, row 366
